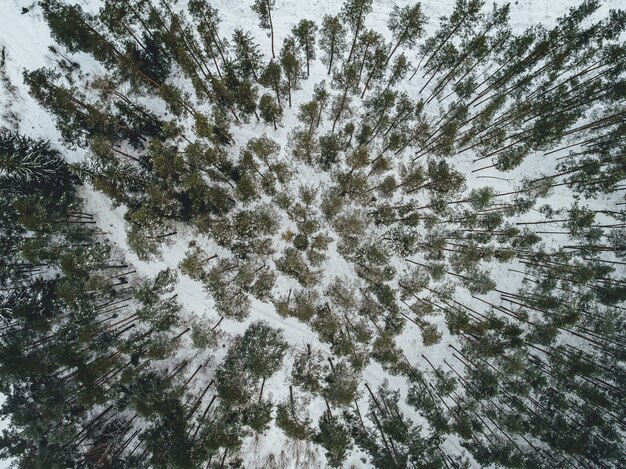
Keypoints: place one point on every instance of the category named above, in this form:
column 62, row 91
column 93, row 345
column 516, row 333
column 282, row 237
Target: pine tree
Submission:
column 292, row 66
column 354, row 12
column 321, row 96
column 392, row 440
column 304, row 33
column 147, row 231
column 263, row 8
column 69, row 27
column 406, row 25
column 291, row 418
column 346, row 79
column 335, row 438
column 246, row 97
column 208, row 21
column 332, row 40
column 272, row 77
column 270, row 110
column 342, row 384
column 262, row 349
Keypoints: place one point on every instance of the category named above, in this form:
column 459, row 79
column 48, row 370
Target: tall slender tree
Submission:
column 263, row 9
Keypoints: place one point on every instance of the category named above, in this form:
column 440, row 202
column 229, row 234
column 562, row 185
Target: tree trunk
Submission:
column 293, row 409
column 269, row 14
column 343, row 102
column 306, row 45
column 356, row 36
column 332, row 54
column 262, row 386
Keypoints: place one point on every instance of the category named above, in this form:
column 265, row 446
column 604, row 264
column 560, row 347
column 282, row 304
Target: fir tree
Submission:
column 248, row 57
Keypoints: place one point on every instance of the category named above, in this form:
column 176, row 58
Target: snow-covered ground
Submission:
column 26, row 39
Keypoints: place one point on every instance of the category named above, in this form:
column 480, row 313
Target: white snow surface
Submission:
column 26, row 39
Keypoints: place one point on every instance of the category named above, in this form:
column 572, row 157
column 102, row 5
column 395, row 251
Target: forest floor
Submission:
column 25, row 39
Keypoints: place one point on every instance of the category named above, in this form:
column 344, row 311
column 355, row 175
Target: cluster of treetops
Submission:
column 103, row 368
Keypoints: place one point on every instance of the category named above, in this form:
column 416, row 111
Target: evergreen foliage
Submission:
column 496, row 309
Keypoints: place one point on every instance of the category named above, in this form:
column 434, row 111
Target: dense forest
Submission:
column 410, row 240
